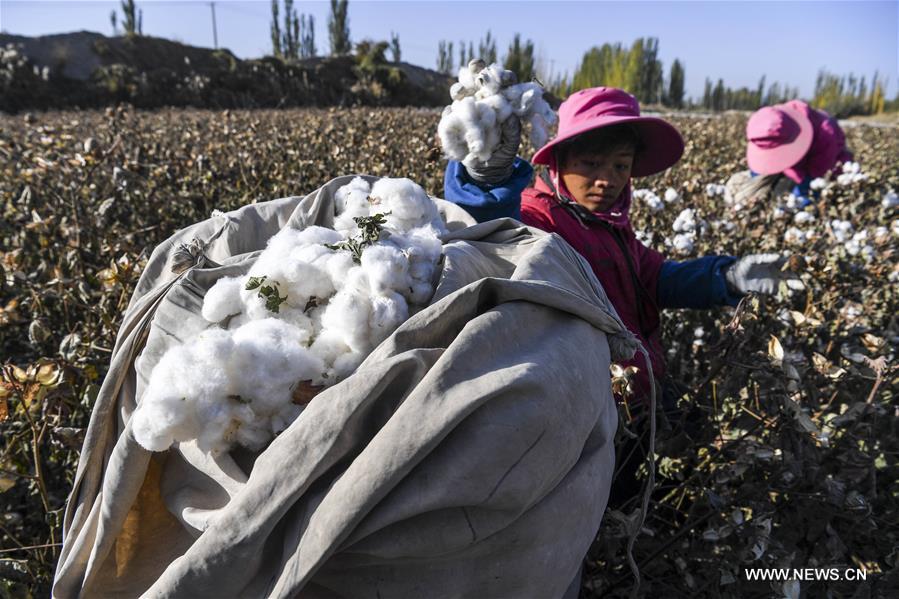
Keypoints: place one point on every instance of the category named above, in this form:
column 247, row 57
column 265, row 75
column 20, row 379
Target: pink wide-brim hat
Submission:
column 599, row 107
column 779, row 136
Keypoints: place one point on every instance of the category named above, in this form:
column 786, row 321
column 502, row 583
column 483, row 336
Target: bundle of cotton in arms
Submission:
column 483, row 98
column 313, row 305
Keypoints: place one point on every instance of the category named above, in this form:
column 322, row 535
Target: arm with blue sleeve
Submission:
column 487, row 202
column 698, row 283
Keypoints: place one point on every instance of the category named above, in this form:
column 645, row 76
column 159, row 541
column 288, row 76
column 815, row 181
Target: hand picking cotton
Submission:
column 315, row 303
column 483, row 98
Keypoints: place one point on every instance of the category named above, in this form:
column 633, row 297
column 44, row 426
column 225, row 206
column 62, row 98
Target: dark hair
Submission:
column 604, row 138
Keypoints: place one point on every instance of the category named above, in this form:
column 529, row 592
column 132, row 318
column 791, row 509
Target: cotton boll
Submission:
column 842, row 229
column 317, row 236
column 328, row 346
column 685, row 221
column 223, row 299
column 271, row 357
column 890, row 200
column 347, row 316
column 818, row 184
column 353, row 196
column 408, row 205
column 803, row 218
column 155, row 424
column 254, row 434
column 500, row 106
column 795, row 236
column 387, row 313
column 387, row 268
column 338, row 265
column 683, row 243
column 671, row 195
column 451, row 130
column 347, row 363
column 489, row 80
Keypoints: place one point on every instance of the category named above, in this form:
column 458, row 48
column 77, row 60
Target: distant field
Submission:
column 795, row 462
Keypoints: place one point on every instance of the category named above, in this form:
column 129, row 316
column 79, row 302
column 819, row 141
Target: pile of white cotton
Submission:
column 483, row 98
column 315, row 303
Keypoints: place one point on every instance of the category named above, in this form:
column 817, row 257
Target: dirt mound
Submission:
column 86, row 69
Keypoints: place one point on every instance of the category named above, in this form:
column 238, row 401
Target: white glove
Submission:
column 761, row 273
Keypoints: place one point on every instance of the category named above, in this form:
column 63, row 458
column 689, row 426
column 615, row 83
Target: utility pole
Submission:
column 215, row 35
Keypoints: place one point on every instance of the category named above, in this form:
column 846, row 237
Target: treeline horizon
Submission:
column 636, row 68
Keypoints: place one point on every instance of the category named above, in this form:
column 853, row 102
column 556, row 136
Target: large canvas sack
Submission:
column 469, row 456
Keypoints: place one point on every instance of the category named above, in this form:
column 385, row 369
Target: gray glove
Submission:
column 761, row 273
column 499, row 167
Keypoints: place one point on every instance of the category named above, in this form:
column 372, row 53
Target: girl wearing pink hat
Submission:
column 789, row 145
column 584, row 195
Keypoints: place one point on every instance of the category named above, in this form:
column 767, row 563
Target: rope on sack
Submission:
column 651, row 480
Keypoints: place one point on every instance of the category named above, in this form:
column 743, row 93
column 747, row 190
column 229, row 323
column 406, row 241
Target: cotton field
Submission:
column 789, row 458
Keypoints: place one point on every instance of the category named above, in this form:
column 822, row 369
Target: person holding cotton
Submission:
column 584, row 195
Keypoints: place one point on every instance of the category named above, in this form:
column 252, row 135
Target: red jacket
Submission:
column 627, row 269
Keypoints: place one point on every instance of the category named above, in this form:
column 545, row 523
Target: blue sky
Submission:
column 737, row 41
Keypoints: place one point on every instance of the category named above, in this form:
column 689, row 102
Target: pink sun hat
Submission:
column 779, row 136
column 598, row 107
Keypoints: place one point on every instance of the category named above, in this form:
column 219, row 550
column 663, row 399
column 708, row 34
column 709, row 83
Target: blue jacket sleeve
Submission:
column 487, row 202
column 698, row 283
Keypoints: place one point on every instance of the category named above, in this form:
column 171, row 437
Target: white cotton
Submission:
column 671, row 195
column 223, row 299
column 818, row 183
column 842, row 229
column 795, row 236
column 407, row 206
column 272, row 357
column 483, row 98
column 352, row 196
column 685, row 221
column 347, row 316
column 683, row 242
column 715, row 189
column 387, row 313
column 804, row 218
column 387, row 268
column 890, row 200
column 779, row 213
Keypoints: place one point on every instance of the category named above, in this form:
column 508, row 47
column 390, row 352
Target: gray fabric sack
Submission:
column 470, row 455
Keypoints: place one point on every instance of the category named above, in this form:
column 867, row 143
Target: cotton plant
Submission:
column 649, row 197
column 483, row 98
column 852, row 173
column 688, row 226
column 797, row 237
column 310, row 309
column 714, row 190
column 890, row 200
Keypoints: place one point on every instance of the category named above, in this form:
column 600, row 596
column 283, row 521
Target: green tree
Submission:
column 113, row 18
column 338, row 28
column 445, row 57
column 520, row 59
column 307, row 36
column 487, row 49
column 676, row 85
column 275, row 31
column 395, row 46
column 133, row 18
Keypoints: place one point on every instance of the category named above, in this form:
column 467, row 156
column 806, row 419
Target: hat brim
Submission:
column 770, row 161
column 662, row 143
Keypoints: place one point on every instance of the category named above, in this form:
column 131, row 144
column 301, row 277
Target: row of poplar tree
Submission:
column 638, row 70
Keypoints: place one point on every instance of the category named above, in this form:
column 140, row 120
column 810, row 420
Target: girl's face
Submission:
column 595, row 178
